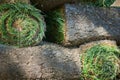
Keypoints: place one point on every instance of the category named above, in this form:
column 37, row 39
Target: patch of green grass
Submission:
column 100, row 63
column 20, row 25
column 55, row 26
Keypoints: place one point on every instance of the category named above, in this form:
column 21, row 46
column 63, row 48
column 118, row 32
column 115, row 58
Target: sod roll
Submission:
column 44, row 62
column 83, row 23
column 100, row 61
column 21, row 25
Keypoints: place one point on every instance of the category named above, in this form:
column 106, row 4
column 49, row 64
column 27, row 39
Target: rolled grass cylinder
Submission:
column 21, row 25
column 76, row 24
column 100, row 62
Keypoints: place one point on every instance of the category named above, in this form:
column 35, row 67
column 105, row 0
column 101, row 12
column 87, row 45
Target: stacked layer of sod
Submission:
column 57, row 22
column 20, row 25
column 55, row 26
column 100, row 62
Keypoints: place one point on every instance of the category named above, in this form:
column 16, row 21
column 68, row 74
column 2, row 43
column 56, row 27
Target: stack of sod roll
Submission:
column 23, row 25
column 20, row 25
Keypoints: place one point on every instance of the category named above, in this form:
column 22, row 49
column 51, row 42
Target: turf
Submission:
column 100, row 62
column 21, row 25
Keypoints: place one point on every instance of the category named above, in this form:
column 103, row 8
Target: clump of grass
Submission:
column 100, row 63
column 20, row 25
column 55, row 26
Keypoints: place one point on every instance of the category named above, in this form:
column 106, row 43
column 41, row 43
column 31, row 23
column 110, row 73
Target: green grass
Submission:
column 21, row 25
column 55, row 26
column 100, row 63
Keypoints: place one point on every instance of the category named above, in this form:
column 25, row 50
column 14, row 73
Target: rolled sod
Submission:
column 75, row 24
column 100, row 62
column 21, row 25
